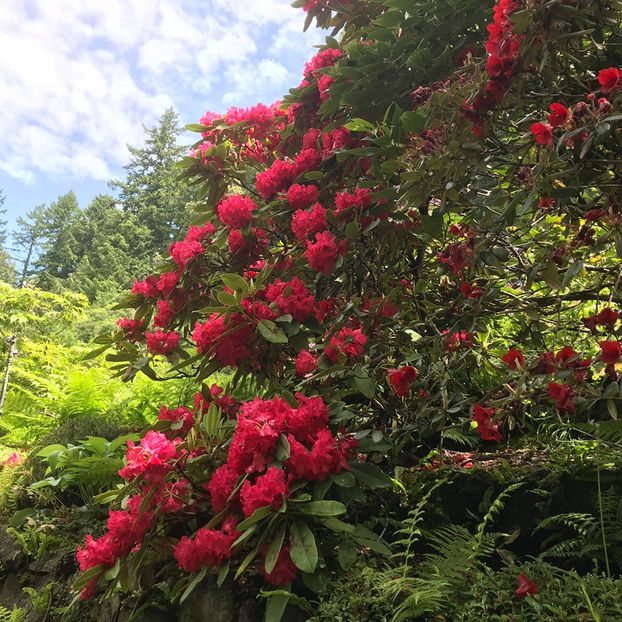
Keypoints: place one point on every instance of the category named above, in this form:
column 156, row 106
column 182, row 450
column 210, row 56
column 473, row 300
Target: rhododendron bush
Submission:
column 419, row 245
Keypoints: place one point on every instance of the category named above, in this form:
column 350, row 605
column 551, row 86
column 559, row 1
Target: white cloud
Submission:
column 80, row 79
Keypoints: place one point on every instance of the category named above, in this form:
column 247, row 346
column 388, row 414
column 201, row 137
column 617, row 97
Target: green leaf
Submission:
column 374, row 545
column 197, row 127
column 550, row 274
column 94, row 353
column 303, row 549
column 256, row 516
column 236, row 283
column 366, row 385
column 345, row 479
column 272, row 554
column 271, row 332
column 347, row 554
column 223, row 571
column 197, row 579
column 390, row 19
column 282, row 449
column 359, row 125
column 334, row 524
column 275, row 607
column 227, row 299
column 413, row 122
column 352, row 230
column 371, row 475
column 322, row 508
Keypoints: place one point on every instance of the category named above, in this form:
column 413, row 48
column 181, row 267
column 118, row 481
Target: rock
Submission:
column 208, row 603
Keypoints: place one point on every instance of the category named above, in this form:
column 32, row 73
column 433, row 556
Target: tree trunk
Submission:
column 9, row 360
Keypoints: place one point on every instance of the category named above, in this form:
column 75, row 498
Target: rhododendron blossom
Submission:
column 236, row 211
column 305, row 223
column 151, row 459
column 348, row 341
column 401, row 379
column 160, row 342
column 543, row 133
column 322, row 253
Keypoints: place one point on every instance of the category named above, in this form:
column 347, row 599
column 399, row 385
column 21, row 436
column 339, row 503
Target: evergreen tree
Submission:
column 7, row 266
column 114, row 249
column 151, row 191
column 63, row 244
column 27, row 240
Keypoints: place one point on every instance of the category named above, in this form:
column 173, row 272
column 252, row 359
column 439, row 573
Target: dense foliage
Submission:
column 418, row 248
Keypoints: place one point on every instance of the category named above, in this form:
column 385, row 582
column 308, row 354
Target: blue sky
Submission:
column 81, row 77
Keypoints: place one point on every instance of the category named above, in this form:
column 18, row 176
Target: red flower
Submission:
column 306, row 223
column 486, row 429
column 322, row 253
column 525, row 586
column 563, row 395
column 469, row 291
column 348, row 341
column 607, row 317
column 514, row 359
column 284, row 571
column 400, row 379
column 609, row 79
column 268, row 489
column 291, row 297
column 611, row 352
column 543, row 133
column 159, row 342
column 236, row 211
column 544, row 364
column 559, row 114
column 300, row 197
column 306, row 363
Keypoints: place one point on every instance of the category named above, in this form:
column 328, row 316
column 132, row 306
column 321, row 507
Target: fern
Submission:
column 455, row 553
column 12, row 615
column 586, row 541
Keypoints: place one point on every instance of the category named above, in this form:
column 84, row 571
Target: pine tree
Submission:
column 151, row 191
column 7, row 266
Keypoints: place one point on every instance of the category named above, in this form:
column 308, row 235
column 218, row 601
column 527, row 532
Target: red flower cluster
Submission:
column 348, row 205
column 456, row 341
column 291, row 297
column 125, row 533
column 228, row 342
column 152, row 458
column 209, row 548
column 525, row 586
column 159, row 342
column 471, row 291
column 322, row 253
column 610, row 80
column 348, row 341
column 563, row 396
column 236, row 211
column 133, row 329
column 284, row 571
column 607, row 317
column 183, row 252
column 502, row 47
column 314, row 452
column 181, row 417
column 306, row 223
column 514, row 359
column 488, row 430
column 281, row 174
column 457, row 255
column 305, row 363
column 401, row 379
column 300, row 197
